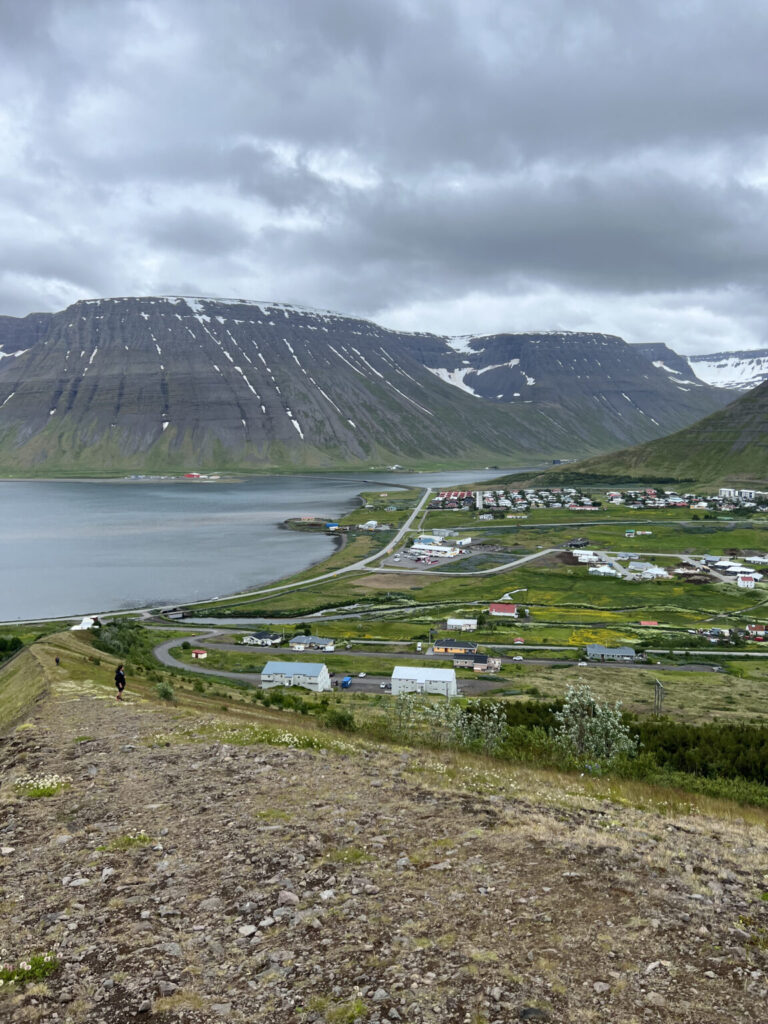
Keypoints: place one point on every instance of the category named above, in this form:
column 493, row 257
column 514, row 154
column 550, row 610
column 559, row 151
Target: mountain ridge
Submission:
column 169, row 382
column 730, row 446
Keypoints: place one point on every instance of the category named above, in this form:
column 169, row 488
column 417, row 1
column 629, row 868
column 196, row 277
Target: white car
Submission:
column 382, row 686
column 582, row 664
column 361, row 675
column 518, row 657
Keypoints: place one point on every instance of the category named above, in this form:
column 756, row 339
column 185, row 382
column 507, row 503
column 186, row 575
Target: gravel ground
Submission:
column 180, row 877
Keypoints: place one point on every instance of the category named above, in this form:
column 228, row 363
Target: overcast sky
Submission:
column 447, row 165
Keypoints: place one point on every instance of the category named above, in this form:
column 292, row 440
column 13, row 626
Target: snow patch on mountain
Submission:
column 500, row 366
column 739, row 371
column 455, row 377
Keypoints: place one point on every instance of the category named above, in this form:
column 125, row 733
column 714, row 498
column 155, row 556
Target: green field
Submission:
column 568, row 606
column 342, row 664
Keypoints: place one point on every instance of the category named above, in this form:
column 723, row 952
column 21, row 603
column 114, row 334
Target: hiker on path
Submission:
column 120, row 681
column 58, row 659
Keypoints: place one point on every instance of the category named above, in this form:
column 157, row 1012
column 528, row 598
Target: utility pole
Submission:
column 658, row 698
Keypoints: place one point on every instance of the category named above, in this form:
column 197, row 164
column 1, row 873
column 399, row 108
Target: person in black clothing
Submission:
column 120, row 681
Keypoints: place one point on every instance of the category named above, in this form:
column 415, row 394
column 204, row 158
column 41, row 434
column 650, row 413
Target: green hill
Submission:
column 731, row 446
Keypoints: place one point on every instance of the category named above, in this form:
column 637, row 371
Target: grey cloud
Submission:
column 503, row 148
column 197, row 232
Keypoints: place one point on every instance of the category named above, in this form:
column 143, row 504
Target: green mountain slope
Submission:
column 730, row 445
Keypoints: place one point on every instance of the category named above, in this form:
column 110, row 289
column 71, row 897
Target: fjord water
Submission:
column 70, row 547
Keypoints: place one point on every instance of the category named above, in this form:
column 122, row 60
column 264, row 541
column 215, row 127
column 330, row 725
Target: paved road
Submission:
column 476, row 572
column 372, row 682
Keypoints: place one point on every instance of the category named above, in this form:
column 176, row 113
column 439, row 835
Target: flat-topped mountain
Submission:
column 739, row 371
column 730, row 446
column 169, row 383
column 735, row 371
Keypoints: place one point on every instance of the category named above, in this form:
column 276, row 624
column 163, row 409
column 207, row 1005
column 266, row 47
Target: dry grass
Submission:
column 22, row 682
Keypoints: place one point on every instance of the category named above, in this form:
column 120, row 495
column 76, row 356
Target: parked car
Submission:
column 518, row 657
column 582, row 664
column 382, row 686
column 361, row 675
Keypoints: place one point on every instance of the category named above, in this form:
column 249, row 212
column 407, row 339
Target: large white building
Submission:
column 465, row 625
column 412, row 679
column 312, row 676
column 439, row 550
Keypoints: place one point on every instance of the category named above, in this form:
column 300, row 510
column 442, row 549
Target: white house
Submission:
column 305, row 642
column 412, row 679
column 465, row 625
column 603, row 570
column 87, row 623
column 655, row 572
column 262, row 639
column 312, row 676
column 745, row 582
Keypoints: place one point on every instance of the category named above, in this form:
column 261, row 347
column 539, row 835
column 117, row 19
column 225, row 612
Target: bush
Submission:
column 164, row 690
column 336, row 718
column 590, row 731
column 126, row 639
column 186, row 646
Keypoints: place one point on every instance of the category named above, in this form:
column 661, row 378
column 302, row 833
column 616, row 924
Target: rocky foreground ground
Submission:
column 182, row 878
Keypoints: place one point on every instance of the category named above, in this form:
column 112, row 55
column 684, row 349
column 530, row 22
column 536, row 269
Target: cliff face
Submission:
column 165, row 383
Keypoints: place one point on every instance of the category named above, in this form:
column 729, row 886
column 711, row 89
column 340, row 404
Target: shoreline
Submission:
column 276, row 581
column 242, row 476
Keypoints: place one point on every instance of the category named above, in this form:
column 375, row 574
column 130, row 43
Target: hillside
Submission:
column 169, row 384
column 730, row 446
column 197, row 867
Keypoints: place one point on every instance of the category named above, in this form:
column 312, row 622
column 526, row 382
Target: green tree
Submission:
column 591, row 731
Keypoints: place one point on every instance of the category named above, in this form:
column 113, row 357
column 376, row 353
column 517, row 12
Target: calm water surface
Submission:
column 69, row 548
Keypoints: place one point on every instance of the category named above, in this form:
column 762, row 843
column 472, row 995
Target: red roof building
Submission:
column 510, row 610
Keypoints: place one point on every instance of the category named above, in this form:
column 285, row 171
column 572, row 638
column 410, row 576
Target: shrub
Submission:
column 591, row 731
column 186, row 646
column 336, row 718
column 164, row 690
column 126, row 639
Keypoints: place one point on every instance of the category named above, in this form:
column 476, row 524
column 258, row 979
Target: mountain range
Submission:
column 171, row 383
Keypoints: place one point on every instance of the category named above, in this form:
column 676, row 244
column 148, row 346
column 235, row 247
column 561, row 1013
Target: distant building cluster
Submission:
column 516, row 501
column 727, row 499
column 513, row 503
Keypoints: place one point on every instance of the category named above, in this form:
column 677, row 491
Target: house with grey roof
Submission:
column 597, row 652
column 422, row 679
column 310, row 675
